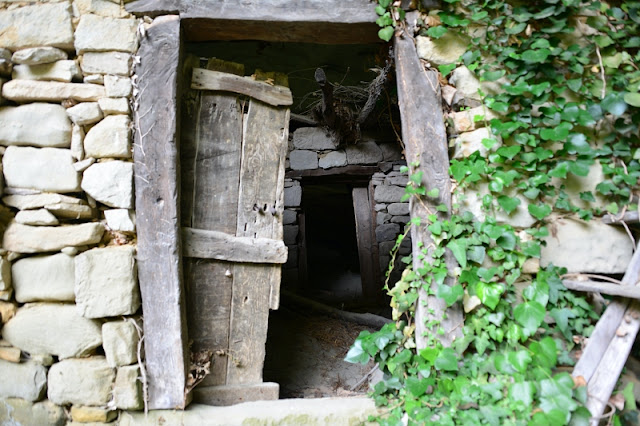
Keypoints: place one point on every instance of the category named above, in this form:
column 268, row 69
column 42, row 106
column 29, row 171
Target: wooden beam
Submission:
column 425, row 141
column 628, row 218
column 213, row 80
column 352, row 170
column 156, row 182
column 629, row 291
column 365, row 234
column 205, row 244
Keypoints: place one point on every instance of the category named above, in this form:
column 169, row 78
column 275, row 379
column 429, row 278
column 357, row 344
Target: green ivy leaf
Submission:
column 493, row 75
column 459, row 250
column 476, row 254
column 489, row 293
column 450, row 294
column 519, row 359
column 614, row 103
column 562, row 316
column 632, row 99
column 357, row 354
column 530, row 316
column 446, row 69
column 537, row 291
column 557, row 394
column 545, row 352
column 509, row 151
column 577, row 144
column 507, row 241
column 447, row 360
column 535, row 56
column 508, row 204
column 416, row 386
column 437, row 32
column 539, row 211
column 386, row 33
column 560, row 170
column 522, row 392
column 433, row 193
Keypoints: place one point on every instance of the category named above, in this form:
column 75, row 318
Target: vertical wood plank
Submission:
column 156, row 183
column 362, row 213
column 303, row 275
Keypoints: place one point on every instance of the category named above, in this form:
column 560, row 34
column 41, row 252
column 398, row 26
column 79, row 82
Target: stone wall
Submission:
column 69, row 297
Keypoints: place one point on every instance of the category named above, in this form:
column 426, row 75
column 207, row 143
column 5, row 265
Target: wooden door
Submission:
column 232, row 159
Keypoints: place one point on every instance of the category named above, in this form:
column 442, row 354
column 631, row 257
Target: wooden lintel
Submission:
column 352, row 170
column 611, row 289
column 628, row 218
column 218, row 81
column 217, row 245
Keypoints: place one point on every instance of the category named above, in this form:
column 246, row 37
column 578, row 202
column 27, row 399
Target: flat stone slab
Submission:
column 333, row 159
column 85, row 113
column 303, row 159
column 388, row 194
column 111, row 183
column 118, row 63
column 127, row 390
column 313, row 138
column 38, row 25
column 26, row 380
column 81, row 381
column 38, row 239
column 41, row 217
column 99, row 34
column 36, row 201
column 109, row 138
column 50, row 91
column 37, row 124
column 364, row 153
column 38, row 55
column 64, row 71
column 444, row 50
column 120, row 343
column 44, row 278
column 17, row 411
column 43, row 169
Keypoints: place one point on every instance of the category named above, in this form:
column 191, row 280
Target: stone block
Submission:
column 99, row 34
column 380, row 207
column 364, row 153
column 391, row 151
column 27, row 380
column 84, row 414
column 7, row 311
column 37, row 239
column 50, row 91
column 122, row 220
column 5, row 274
column 387, row 232
column 5, row 62
column 120, row 343
column 65, row 71
column 396, row 178
column 574, row 185
column 109, row 138
column 465, row 121
column 127, row 391
column 93, row 78
column 587, row 247
column 38, row 124
column 381, row 218
column 313, row 138
column 44, row 278
column 385, row 247
column 46, row 24
column 292, row 196
column 106, row 282
column 38, row 56
column 303, row 160
column 41, row 217
column 401, row 219
column 110, row 183
column 289, row 217
column 71, row 211
column 472, row 202
column 77, row 142
column 388, row 194
column 470, row 142
column 398, row 209
column 113, row 106
column 56, row 329
column 467, row 85
column 85, row 113
column 36, row 201
column 43, row 169
column 81, row 381
column 444, row 50
column 117, row 86
column 333, row 159
column 108, row 8
column 18, row 411
column 290, row 234
column 118, row 63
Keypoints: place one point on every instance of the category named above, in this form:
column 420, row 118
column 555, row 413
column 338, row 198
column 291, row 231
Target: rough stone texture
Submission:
column 122, row 220
column 303, row 160
column 71, row 211
column 99, row 34
column 50, row 91
column 111, row 183
column 36, row 239
column 388, row 194
column 444, row 50
column 81, row 381
column 288, row 217
column 364, row 153
column 44, row 278
column 95, row 79
column 106, row 282
column 333, row 159
column 127, row 391
column 382, row 218
column 41, row 217
column 101, row 7
column 391, row 151
column 117, row 86
column 44, row 169
column 401, row 219
column 398, row 209
column 85, row 113
column 290, row 234
column 120, row 343
column 27, row 380
column 5, row 62
column 574, row 185
column 77, row 142
column 519, row 218
column 38, row 56
column 65, row 71
column 55, row 329
column 314, row 138
column 467, row 84
column 112, row 106
column 39, row 25
column 464, row 121
column 83, row 414
column 38, row 124
column 106, row 63
column 109, row 138
column 292, row 196
column 5, row 274
column 36, row 201
column 470, row 142
column 587, row 247
column 17, row 411
column 387, row 232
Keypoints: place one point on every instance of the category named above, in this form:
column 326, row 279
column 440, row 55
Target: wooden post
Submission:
column 159, row 262
column 425, row 141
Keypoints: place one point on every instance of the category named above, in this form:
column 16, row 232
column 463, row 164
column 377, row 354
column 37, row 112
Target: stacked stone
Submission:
column 68, row 271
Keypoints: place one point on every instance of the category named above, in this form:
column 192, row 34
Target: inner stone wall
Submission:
column 69, row 297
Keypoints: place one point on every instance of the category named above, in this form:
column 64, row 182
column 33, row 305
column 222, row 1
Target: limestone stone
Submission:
column 312, row 138
column 574, row 185
column 37, row 124
column 470, row 142
column 120, row 343
column 117, row 86
column 44, row 169
column 127, row 390
column 65, row 70
column 41, row 217
column 106, row 282
column 27, row 380
column 83, row 165
column 77, row 142
column 110, row 183
column 85, row 113
column 36, row 239
column 93, row 78
column 467, row 85
column 387, row 232
column 44, row 278
column 5, row 62
column 333, row 159
column 101, row 7
column 36, row 201
column 46, row 24
column 71, row 211
column 398, row 209
column 50, row 91
column 18, row 411
column 465, row 121
column 388, row 194
column 122, row 220
column 99, row 34
column 84, row 414
column 380, row 207
column 472, row 202
column 38, row 56
column 391, row 151
column 364, row 153
column 109, row 138
column 113, row 106
column 288, row 217
column 293, row 196
column 56, row 329
column 106, row 63
column 80, row 381
column 10, row 354
column 5, row 274
column 290, row 234
column 303, row 160
column 7, row 311
column 6, row 294
column 587, row 247
column 444, row 50
column 381, row 218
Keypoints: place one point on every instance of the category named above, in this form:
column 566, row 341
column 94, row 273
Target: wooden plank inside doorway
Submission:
column 366, row 240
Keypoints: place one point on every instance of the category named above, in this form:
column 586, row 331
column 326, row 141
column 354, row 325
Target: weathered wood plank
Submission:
column 213, row 80
column 425, row 141
column 628, row 218
column 205, row 244
column 156, row 184
column 366, row 241
column 632, row 292
column 352, row 170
